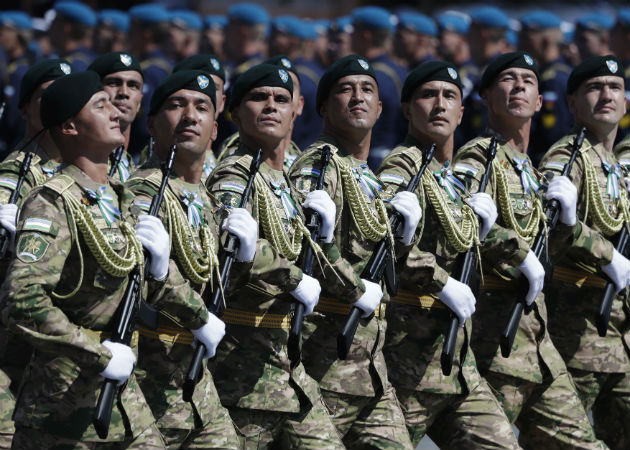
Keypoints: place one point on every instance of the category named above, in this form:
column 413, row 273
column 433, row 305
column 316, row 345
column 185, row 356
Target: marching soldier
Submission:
column 356, row 391
column 71, row 33
column 271, row 401
column 600, row 366
column 619, row 36
column 534, row 387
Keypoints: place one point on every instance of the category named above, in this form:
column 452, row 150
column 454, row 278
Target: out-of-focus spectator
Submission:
column 111, row 31
column 71, row 33
column 592, row 34
column 340, row 38
column 185, row 33
column 486, row 34
column 620, row 45
column 213, row 38
column 416, row 39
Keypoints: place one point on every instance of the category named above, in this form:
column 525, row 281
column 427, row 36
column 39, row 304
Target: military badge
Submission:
column 284, row 76
column 65, row 68
column 452, row 73
column 125, row 59
column 203, row 81
column 215, row 64
column 31, row 247
column 286, row 63
column 612, row 65
column 528, row 59
column 363, row 63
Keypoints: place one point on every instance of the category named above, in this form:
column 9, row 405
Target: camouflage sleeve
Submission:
column 590, row 245
column 9, row 175
column 42, row 252
column 303, row 175
column 227, row 184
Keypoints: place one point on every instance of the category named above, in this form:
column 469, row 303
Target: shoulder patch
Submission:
column 41, row 226
column 59, row 184
column 310, row 171
column 465, row 169
column 391, row 178
column 143, row 205
column 232, row 187
column 8, row 183
column 552, row 165
column 31, row 247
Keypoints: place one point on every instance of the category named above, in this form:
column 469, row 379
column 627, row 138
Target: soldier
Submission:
column 71, row 33
column 622, row 151
column 111, row 30
column 64, row 313
column 600, row 366
column 185, row 33
column 340, row 38
column 416, row 39
column 619, row 36
column 182, row 113
column 462, row 404
column 271, row 401
column 356, row 391
column 123, row 80
column 534, row 387
column 592, row 34
column 213, row 38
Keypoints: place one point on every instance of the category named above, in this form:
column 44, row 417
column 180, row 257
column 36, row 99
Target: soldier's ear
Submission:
column 215, row 130
column 405, row 109
column 69, row 127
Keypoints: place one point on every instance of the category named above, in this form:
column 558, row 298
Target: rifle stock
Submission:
column 603, row 314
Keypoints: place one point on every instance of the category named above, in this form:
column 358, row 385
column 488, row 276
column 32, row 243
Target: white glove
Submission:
column 535, row 273
column 565, row 192
column 627, row 182
column 241, row 223
column 321, row 202
column 210, row 335
column 370, row 299
column 307, row 293
column 459, row 298
column 121, row 364
column 484, row 207
column 8, row 217
column 154, row 238
column 618, row 270
column 406, row 203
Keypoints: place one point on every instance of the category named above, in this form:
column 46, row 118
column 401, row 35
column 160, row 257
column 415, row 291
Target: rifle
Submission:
column 215, row 302
column 130, row 311
column 313, row 224
column 539, row 248
column 381, row 257
column 15, row 195
column 115, row 158
column 466, row 271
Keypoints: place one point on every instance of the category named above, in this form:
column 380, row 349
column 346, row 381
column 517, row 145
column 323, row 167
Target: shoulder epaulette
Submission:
column 391, row 73
column 244, row 161
column 481, row 141
column 59, row 183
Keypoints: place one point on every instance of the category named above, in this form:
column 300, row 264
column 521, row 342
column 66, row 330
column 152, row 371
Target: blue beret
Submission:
column 596, row 21
column 76, row 12
column 114, row 18
column 149, row 13
column 249, row 13
column 16, row 19
column 490, row 16
column 187, row 19
column 453, row 22
column 373, row 17
column 215, row 21
column 293, row 26
column 540, row 20
column 623, row 16
column 321, row 26
column 417, row 22
column 342, row 24
column 512, row 38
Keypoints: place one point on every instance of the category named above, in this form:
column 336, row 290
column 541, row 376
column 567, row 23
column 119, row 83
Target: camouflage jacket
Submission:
column 585, row 252
column 125, row 167
column 252, row 367
column 232, row 143
column 208, row 165
column 532, row 352
column 622, row 151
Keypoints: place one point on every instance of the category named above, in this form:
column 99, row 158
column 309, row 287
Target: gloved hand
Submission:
column 241, row 223
column 627, row 183
column 321, row 202
column 535, row 273
column 459, row 298
column 618, row 270
column 307, row 292
column 406, row 203
column 121, row 364
column 8, row 218
column 210, row 335
column 484, row 207
column 370, row 299
column 565, row 192
column 154, row 238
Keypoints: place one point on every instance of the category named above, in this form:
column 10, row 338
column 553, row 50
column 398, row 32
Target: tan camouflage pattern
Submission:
column 209, row 165
column 7, row 404
column 231, row 144
column 622, row 151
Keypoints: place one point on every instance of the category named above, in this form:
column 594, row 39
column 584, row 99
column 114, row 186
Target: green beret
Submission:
column 283, row 62
column 39, row 73
column 430, row 71
column 66, row 96
column 115, row 62
column 507, row 61
column 348, row 65
column 594, row 66
column 208, row 62
column 193, row 80
column 257, row 76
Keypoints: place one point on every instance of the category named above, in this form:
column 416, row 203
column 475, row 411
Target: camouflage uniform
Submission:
column 230, row 145
column 61, row 383
column 357, row 392
column 622, row 152
column 533, row 385
column 7, row 404
column 125, row 167
column 165, row 354
column 208, row 165
column 600, row 366
column 270, row 401
column 417, row 323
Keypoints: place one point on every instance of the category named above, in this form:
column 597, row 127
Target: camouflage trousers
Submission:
column 369, row 422
column 608, row 396
column 7, row 404
column 32, row 439
column 262, row 430
column 458, row 421
column 549, row 415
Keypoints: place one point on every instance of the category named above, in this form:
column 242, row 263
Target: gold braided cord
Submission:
column 461, row 238
column 38, row 176
column 528, row 232
column 595, row 204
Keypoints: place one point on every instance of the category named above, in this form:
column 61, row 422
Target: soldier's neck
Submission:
column 443, row 147
column 516, row 133
column 125, row 129
column 272, row 151
column 355, row 144
column 188, row 165
column 604, row 135
column 96, row 170
column 45, row 143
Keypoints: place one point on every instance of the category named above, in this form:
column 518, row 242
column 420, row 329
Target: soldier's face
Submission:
column 434, row 110
column 186, row 118
column 125, row 90
column 353, row 103
column 298, row 100
column 265, row 113
column 599, row 101
column 97, row 123
column 220, row 96
column 513, row 94
column 30, row 110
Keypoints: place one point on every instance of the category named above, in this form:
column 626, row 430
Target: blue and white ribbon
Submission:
column 612, row 180
column 528, row 181
column 50, row 171
column 104, row 201
column 194, row 207
column 370, row 184
column 282, row 191
column 448, row 181
column 208, row 167
column 123, row 169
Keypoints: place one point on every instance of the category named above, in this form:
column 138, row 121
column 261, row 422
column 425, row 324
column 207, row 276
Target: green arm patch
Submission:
column 31, row 247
